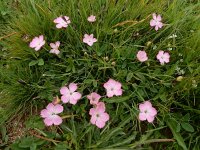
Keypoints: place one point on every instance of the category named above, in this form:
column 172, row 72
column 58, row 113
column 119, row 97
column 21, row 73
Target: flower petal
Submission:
column 64, row 91
column 65, row 99
column 72, row 87
column 57, row 120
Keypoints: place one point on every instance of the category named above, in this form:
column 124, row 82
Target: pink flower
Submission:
column 69, row 94
column 62, row 22
column 156, row 22
column 113, row 88
column 89, row 39
column 94, row 98
column 37, row 42
column 147, row 112
column 98, row 116
column 91, row 18
column 142, row 56
column 50, row 114
column 55, row 47
column 163, row 57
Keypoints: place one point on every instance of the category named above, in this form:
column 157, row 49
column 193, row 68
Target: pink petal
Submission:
column 54, row 51
column 53, row 45
column 100, row 107
column 66, row 18
column 48, row 121
column 152, row 23
column 145, row 106
column 118, row 85
column 50, row 107
column 156, row 28
column 142, row 116
column 158, row 18
column 45, row 113
column 58, row 109
column 59, row 26
column 110, row 93
column 100, row 124
column 34, row 42
column 104, row 117
column 57, row 44
column 160, row 24
column 37, row 48
column 41, row 38
column 150, row 119
column 72, row 87
column 65, row 99
column 76, row 95
column 64, row 91
column 160, row 54
column 92, row 111
column 57, row 120
column 73, row 101
column 93, row 119
column 58, row 20
column 153, row 111
column 154, row 16
column 118, row 92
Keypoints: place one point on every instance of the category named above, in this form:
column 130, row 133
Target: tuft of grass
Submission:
column 31, row 79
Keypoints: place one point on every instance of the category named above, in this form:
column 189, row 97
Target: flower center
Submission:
column 97, row 115
column 112, row 89
column 145, row 111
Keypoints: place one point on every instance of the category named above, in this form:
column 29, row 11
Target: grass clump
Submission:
column 31, row 79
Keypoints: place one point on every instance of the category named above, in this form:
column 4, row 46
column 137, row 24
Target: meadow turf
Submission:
column 29, row 80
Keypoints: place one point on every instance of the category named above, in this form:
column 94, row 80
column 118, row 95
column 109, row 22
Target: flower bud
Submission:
column 179, row 78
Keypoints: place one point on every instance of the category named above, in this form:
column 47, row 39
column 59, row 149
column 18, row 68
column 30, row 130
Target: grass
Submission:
column 122, row 28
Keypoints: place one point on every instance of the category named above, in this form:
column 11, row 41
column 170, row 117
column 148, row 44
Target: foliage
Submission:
column 30, row 79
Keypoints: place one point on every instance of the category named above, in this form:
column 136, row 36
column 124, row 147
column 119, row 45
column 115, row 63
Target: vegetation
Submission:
column 30, row 79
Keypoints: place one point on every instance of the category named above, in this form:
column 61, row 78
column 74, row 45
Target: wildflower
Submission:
column 113, row 88
column 50, row 114
column 37, row 42
column 147, row 112
column 55, row 47
column 163, row 57
column 172, row 36
column 94, row 98
column 156, row 22
column 91, row 18
column 89, row 39
column 142, row 56
column 69, row 94
column 62, row 22
column 98, row 116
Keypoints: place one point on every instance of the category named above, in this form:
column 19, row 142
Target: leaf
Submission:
column 40, row 62
column 129, row 76
column 26, row 142
column 61, row 146
column 187, row 127
column 116, row 99
column 172, row 125
column 32, row 63
column 35, row 122
column 3, row 132
column 125, row 141
column 178, row 128
column 94, row 83
column 186, row 118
